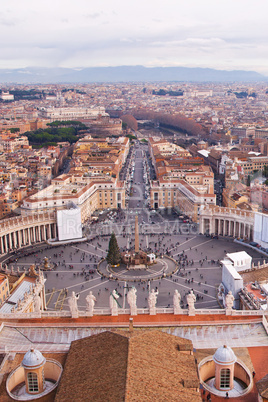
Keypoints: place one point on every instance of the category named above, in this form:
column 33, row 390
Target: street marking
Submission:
column 182, row 244
column 201, row 244
column 189, row 288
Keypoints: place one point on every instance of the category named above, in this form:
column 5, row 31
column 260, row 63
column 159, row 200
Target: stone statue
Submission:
column 19, row 304
column 37, row 303
column 177, row 302
column 41, row 277
column 73, row 305
column 32, row 271
column 113, row 303
column 46, row 263
column 132, row 300
column 90, row 299
column 191, row 299
column 152, row 301
column 229, row 302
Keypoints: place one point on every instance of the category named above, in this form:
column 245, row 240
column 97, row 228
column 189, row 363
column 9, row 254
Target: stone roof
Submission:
column 142, row 366
column 255, row 275
column 262, row 387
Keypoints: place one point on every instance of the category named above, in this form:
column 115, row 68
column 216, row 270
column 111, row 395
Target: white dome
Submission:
column 33, row 359
column 224, row 355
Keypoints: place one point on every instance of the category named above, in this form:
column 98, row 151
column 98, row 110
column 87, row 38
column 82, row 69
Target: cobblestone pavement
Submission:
column 76, row 270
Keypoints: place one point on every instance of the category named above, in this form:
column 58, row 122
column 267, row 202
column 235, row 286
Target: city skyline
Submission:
column 224, row 35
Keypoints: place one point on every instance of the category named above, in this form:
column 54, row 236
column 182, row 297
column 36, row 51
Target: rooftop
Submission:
column 144, row 366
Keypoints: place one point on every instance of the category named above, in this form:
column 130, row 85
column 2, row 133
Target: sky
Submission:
column 229, row 34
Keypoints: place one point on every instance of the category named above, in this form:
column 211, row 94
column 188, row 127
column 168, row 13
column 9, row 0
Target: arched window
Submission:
column 225, row 378
column 32, row 382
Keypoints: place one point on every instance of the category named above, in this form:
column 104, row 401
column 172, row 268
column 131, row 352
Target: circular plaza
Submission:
column 185, row 262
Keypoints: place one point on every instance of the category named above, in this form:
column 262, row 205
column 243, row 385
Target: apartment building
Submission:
column 180, row 194
column 71, row 113
column 4, row 288
column 84, row 192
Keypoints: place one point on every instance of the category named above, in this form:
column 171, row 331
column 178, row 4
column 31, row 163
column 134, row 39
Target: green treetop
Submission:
column 114, row 254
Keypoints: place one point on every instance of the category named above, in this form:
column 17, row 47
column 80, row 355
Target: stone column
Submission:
column 42, row 233
column 234, row 235
column 224, row 227
column 202, row 225
column 244, row 234
column 19, row 238
column 2, row 245
column 29, row 235
column 50, row 231
column 23, row 237
column 5, row 240
column 34, row 237
column 9, row 242
column 212, row 224
column 16, row 239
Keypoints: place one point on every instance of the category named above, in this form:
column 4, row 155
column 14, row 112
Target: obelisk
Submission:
column 137, row 245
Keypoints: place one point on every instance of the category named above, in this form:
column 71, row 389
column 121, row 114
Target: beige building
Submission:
column 4, row 288
column 71, row 113
column 179, row 193
column 226, row 222
column 84, row 192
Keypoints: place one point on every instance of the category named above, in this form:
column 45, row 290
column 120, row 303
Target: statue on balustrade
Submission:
column 37, row 303
column 32, row 271
column 114, row 303
column 191, row 299
column 177, row 302
column 132, row 300
column 41, row 278
column 229, row 302
column 152, row 301
column 73, row 305
column 90, row 299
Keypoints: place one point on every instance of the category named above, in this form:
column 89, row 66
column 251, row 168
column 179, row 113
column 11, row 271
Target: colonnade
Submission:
column 227, row 222
column 24, row 231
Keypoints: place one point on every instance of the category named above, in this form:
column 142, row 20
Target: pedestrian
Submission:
column 208, row 396
column 253, row 374
column 227, row 395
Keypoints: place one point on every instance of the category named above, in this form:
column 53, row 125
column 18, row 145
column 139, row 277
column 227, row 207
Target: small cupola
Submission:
column 33, row 364
column 225, row 360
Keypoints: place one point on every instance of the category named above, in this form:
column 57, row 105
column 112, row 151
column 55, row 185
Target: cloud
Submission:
column 83, row 33
column 93, row 15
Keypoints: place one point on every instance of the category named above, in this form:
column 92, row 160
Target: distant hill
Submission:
column 126, row 74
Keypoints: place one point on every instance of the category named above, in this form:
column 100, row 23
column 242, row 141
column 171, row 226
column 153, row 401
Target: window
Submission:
column 32, row 382
column 225, row 378
column 43, row 378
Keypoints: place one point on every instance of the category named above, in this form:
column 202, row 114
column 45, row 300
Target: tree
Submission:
column 14, row 130
column 265, row 171
column 114, row 254
column 130, row 121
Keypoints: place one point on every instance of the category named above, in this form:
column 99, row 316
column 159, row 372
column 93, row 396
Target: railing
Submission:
column 213, row 390
column 26, row 221
column 159, row 310
column 265, row 323
column 17, row 377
